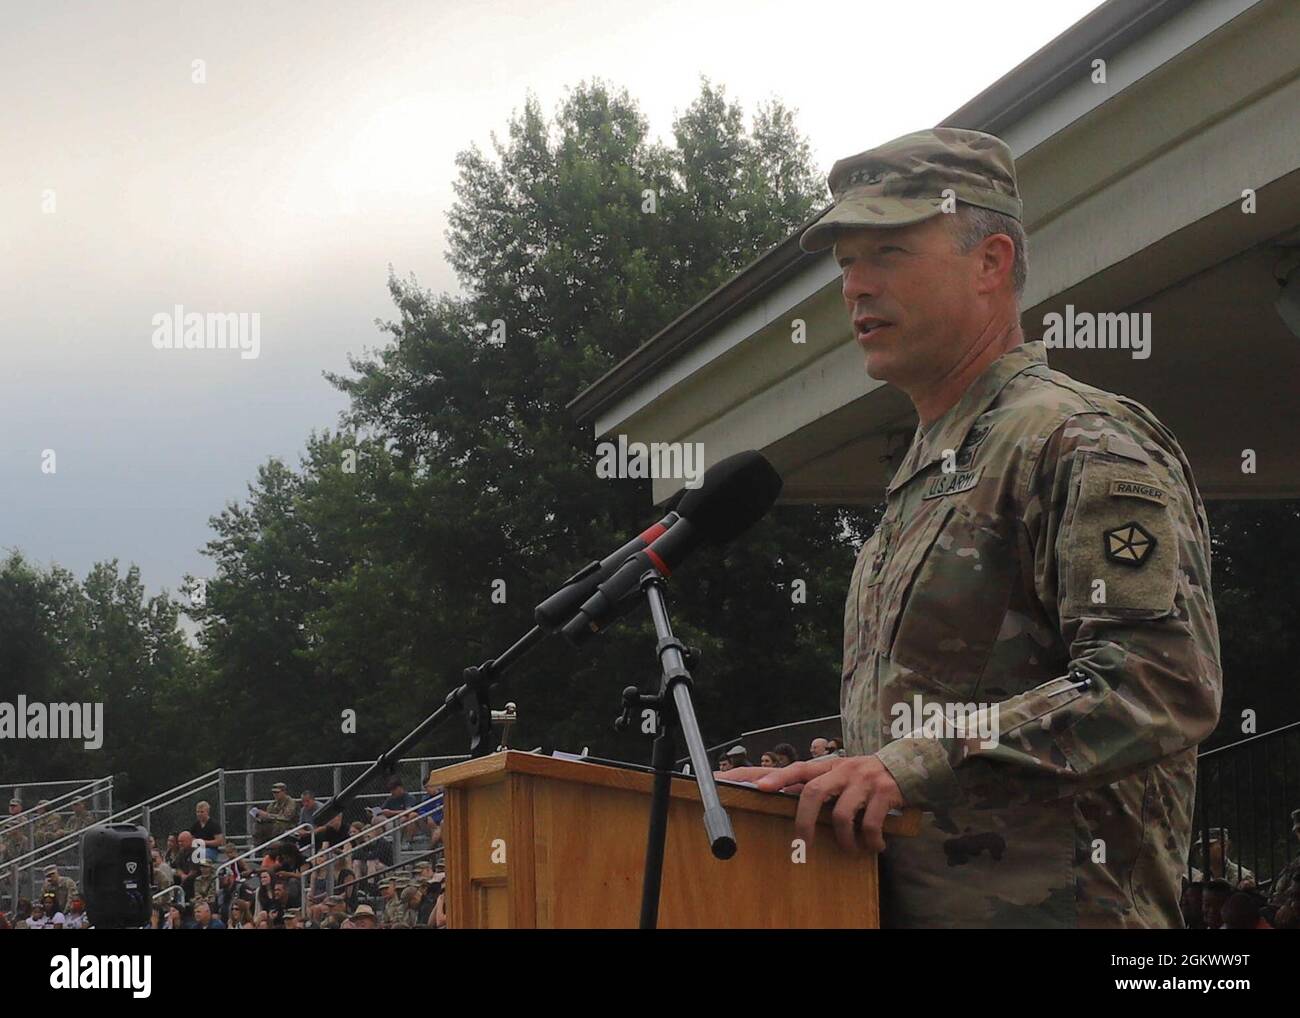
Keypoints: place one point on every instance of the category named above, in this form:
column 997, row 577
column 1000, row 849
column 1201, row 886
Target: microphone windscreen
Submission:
column 733, row 495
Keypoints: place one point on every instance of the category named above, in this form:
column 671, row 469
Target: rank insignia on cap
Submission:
column 1129, row 544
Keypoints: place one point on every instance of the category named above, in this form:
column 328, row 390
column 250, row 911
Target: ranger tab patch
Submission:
column 1138, row 489
column 951, row 484
column 1129, row 544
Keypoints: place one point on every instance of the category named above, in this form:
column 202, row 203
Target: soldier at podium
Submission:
column 1030, row 648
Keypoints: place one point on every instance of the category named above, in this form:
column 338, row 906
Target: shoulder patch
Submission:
column 1129, row 544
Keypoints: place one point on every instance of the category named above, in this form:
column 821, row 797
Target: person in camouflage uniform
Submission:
column 1286, row 885
column 81, row 818
column 278, row 816
column 394, row 907
column 48, row 826
column 1222, row 865
column 1040, row 577
column 13, row 833
column 63, row 888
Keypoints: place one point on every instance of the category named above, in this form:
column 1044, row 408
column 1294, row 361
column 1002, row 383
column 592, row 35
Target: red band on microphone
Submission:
column 658, row 563
column 649, row 535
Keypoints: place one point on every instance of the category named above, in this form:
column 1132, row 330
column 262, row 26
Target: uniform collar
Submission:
column 950, row 430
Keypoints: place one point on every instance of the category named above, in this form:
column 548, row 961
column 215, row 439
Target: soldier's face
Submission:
column 913, row 300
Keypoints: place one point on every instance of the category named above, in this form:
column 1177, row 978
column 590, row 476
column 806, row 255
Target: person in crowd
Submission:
column 439, row 919
column 1287, row 883
column 76, row 918
column 430, row 810
column 280, row 814
column 399, row 799
column 817, row 748
column 241, row 915
column 724, row 762
column 349, row 888
column 784, row 754
column 14, row 841
column 1242, row 911
column 62, row 887
column 205, row 884
column 739, row 756
column 265, row 892
column 48, row 827
column 37, row 920
column 158, row 918
column 308, row 807
column 1216, row 894
column 227, row 892
column 1221, row 862
column 186, row 867
column 173, row 851
column 768, row 760
column 204, row 919
column 81, row 818
column 207, row 830
column 362, row 919
column 392, row 900
column 293, row 919
column 834, row 747
column 163, row 875
column 173, row 918
column 430, row 889
column 1192, row 905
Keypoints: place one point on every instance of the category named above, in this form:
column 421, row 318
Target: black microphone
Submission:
column 733, row 495
column 560, row 606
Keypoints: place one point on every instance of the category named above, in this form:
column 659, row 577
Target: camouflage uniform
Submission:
column 47, row 828
column 14, row 842
column 284, row 813
column 79, row 822
column 395, row 908
column 981, row 586
column 65, row 889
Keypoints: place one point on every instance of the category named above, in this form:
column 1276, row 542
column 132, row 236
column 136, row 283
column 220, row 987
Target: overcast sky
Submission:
column 319, row 150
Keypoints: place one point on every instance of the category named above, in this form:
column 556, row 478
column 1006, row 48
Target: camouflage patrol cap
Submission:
column 903, row 182
column 15, row 802
column 278, row 786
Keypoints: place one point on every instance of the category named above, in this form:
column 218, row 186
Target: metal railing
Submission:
column 146, row 813
column 1250, row 788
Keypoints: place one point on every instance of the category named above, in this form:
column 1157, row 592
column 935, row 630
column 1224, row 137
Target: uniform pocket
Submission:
column 951, row 610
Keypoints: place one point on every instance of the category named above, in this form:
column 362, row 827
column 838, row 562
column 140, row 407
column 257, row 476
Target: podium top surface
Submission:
column 497, row 766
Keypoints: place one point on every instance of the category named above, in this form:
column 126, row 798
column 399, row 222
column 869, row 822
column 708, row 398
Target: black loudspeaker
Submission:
column 115, row 876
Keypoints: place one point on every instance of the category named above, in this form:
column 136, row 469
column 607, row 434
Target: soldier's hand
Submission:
column 860, row 786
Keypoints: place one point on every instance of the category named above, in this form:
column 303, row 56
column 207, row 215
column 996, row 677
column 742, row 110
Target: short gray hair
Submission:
column 971, row 224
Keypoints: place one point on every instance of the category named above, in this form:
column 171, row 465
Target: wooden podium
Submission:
column 538, row 842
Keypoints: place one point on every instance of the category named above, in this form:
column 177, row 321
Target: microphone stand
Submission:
column 470, row 698
column 673, row 710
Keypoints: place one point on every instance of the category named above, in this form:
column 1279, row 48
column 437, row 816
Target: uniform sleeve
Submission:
column 1120, row 551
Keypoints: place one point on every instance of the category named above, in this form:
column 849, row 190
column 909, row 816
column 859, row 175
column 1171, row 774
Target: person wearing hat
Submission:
column 63, row 888
column 394, row 908
column 278, row 816
column 738, row 756
column 1042, row 551
column 1220, row 850
column 362, row 919
column 13, row 841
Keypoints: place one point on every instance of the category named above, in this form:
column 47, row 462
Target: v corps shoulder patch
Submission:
column 1130, row 544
